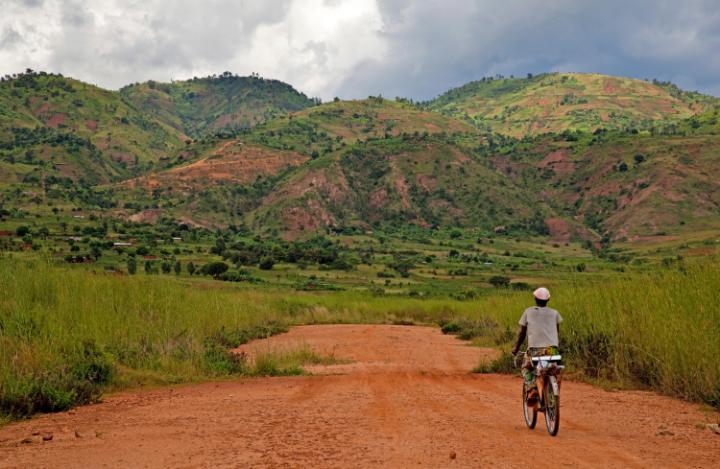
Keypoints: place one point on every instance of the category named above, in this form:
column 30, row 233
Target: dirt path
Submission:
column 406, row 400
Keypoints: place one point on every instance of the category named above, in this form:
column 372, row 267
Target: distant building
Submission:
column 121, row 244
column 176, row 239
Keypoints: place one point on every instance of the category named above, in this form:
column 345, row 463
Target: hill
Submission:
column 622, row 186
column 366, row 164
column 52, row 126
column 330, row 126
column 426, row 180
column 342, row 164
column 557, row 102
column 318, row 169
column 217, row 103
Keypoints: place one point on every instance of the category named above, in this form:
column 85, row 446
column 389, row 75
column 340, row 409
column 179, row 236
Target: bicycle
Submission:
column 549, row 370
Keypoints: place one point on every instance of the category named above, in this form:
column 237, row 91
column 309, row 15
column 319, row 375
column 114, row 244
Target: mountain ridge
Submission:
column 307, row 167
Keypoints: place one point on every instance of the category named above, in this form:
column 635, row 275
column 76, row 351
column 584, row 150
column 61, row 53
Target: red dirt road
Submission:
column 407, row 399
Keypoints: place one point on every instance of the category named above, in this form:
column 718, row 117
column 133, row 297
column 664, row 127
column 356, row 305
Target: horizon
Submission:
column 365, row 47
column 358, row 98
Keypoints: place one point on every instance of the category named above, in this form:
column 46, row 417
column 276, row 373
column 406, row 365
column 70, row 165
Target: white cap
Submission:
column 542, row 294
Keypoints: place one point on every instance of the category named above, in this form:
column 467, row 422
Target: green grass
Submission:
column 68, row 334
column 288, row 362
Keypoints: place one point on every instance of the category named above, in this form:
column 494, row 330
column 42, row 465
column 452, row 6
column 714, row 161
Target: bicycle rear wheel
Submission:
column 530, row 413
column 552, row 407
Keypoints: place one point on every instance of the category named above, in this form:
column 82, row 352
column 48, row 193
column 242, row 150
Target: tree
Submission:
column 132, row 266
column 191, row 268
column 22, row 231
column 95, row 251
column 639, row 158
column 623, row 167
column 165, row 266
column 148, row 267
column 177, row 267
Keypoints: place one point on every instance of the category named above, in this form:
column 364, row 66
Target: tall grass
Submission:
column 67, row 334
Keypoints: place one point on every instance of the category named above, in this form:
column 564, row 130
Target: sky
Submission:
column 355, row 48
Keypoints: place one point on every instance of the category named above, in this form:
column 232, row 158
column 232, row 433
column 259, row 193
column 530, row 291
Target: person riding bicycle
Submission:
column 541, row 325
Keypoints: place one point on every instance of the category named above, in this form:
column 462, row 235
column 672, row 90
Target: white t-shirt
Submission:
column 541, row 326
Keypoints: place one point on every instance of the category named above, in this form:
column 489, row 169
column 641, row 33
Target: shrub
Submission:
column 499, row 281
column 132, row 266
column 266, row 263
column 214, row 269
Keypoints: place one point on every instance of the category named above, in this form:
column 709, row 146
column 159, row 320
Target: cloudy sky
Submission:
column 354, row 48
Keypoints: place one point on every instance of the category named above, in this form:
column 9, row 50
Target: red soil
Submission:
column 559, row 161
column 559, row 229
column 405, row 399
column 233, row 162
column 56, row 120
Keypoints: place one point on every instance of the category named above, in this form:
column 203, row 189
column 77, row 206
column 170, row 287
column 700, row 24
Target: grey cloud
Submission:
column 9, row 38
column 29, row 3
column 435, row 45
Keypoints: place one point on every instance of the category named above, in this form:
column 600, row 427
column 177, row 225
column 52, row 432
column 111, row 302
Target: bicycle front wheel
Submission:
column 552, row 406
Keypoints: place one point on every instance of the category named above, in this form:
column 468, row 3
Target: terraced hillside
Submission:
column 218, row 103
column 569, row 101
column 52, row 126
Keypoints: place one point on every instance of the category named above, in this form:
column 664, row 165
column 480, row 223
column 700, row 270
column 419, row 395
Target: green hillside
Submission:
column 368, row 164
column 623, row 186
column 218, row 103
column 557, row 102
column 328, row 127
column 56, row 126
column 376, row 162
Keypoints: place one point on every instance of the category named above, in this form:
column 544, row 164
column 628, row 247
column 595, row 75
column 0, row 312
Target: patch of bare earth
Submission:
column 146, row 216
column 559, row 161
column 233, row 162
column 560, row 230
column 405, row 399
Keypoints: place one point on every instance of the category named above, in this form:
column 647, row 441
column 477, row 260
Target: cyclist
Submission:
column 541, row 325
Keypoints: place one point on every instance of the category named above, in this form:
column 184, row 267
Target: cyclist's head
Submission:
column 542, row 296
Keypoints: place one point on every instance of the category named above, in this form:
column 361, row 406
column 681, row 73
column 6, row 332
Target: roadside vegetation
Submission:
column 66, row 335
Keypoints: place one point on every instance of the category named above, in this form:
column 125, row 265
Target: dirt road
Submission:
column 405, row 399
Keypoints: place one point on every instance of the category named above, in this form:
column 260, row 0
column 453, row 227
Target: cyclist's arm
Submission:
column 558, row 331
column 522, row 332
